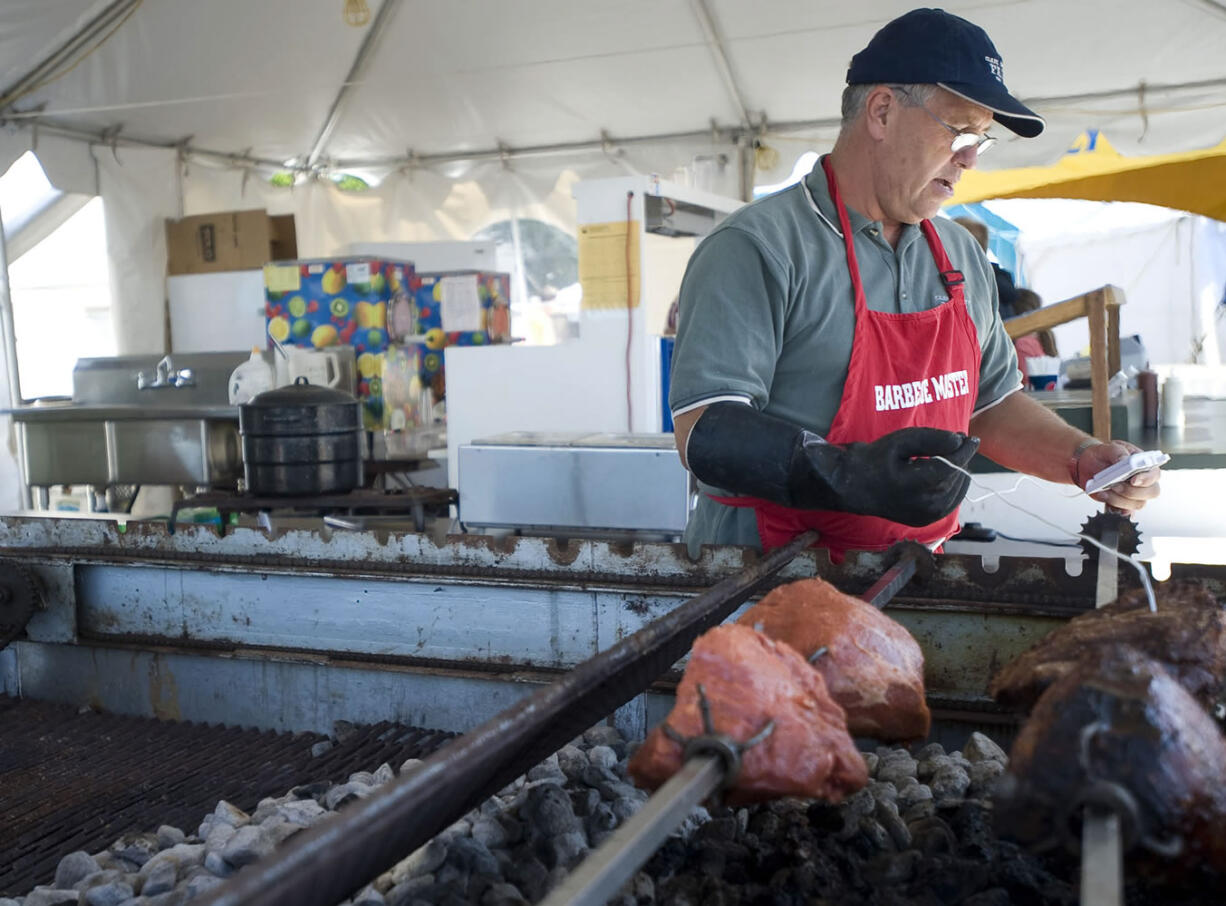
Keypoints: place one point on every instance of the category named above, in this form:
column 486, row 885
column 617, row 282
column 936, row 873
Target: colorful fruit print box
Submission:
column 321, row 303
column 456, row 308
column 476, row 302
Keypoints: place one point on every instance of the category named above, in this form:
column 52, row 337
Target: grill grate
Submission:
column 77, row 781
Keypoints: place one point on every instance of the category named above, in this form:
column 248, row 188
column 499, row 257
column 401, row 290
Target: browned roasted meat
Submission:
column 1120, row 718
column 748, row 680
column 872, row 665
column 1187, row 633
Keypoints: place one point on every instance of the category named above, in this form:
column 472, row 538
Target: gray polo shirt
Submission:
column 767, row 318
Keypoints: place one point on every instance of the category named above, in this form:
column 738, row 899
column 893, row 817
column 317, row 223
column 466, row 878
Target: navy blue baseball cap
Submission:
column 933, row 47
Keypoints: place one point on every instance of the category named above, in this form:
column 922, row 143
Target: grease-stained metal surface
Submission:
column 477, row 625
column 390, row 615
column 317, row 602
column 956, row 579
column 962, row 650
column 324, row 552
column 77, row 781
column 273, row 690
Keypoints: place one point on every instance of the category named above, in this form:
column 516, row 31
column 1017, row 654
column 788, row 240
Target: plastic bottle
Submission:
column 1172, row 402
column 251, row 377
column 1147, row 383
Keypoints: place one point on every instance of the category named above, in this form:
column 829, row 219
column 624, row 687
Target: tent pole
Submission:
column 10, row 367
column 719, row 52
column 745, row 158
column 596, row 146
column 111, row 17
column 365, row 53
column 49, row 125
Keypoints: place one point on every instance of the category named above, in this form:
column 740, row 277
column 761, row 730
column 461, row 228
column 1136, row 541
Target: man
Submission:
column 834, row 340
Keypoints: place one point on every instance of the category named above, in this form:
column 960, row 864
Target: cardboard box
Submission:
column 339, row 301
column 228, row 241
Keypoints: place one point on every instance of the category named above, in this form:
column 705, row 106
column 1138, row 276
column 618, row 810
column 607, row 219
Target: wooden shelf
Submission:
column 1101, row 307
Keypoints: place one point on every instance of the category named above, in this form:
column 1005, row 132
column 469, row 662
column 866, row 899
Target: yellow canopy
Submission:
column 1188, row 181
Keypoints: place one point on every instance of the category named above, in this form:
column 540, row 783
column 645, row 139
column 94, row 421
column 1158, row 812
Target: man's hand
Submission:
column 1125, row 497
column 894, row 477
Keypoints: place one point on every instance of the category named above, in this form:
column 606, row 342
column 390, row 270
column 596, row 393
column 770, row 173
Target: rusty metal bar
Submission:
column 893, row 579
column 328, row 862
column 603, row 873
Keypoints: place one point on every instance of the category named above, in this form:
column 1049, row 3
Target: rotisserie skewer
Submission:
column 1102, row 849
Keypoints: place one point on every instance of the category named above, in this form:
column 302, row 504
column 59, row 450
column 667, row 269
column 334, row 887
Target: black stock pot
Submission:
column 301, row 439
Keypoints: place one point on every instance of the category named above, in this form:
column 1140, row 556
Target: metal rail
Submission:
column 1016, row 585
column 8, row 348
column 326, row 863
column 1107, row 578
column 881, row 592
column 1102, row 845
column 632, row 844
column 603, row 873
column 1102, row 861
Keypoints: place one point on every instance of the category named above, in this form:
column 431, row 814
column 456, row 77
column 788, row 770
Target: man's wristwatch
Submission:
column 1074, row 463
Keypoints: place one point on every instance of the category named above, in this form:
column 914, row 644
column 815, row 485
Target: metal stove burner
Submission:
column 414, row 501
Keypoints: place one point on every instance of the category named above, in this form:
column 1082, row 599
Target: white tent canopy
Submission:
column 468, row 111
column 1172, row 265
column 278, row 80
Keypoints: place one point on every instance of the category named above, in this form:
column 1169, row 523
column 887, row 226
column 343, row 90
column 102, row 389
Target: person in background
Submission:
column 840, row 356
column 1040, row 343
column 1005, row 287
column 670, row 320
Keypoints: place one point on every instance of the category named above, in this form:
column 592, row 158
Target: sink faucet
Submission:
column 165, row 375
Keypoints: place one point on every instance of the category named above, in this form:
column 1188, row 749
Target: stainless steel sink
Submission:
column 137, row 420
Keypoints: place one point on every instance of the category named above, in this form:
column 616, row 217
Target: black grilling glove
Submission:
column 734, row 446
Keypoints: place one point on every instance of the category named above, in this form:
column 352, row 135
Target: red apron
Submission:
column 918, row 369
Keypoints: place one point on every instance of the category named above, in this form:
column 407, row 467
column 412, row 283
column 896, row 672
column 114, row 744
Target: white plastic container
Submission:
column 320, row 367
column 1172, row 403
column 251, row 377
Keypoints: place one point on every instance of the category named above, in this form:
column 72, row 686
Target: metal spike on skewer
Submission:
column 1102, row 844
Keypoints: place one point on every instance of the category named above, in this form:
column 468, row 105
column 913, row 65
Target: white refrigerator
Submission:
column 216, row 312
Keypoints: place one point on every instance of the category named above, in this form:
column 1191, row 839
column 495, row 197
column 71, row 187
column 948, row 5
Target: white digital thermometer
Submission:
column 1124, row 469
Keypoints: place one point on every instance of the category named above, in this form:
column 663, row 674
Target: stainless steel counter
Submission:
column 119, row 412
column 136, row 420
column 1199, row 444
column 574, row 482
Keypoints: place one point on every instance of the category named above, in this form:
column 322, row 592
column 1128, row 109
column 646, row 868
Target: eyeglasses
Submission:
column 961, row 140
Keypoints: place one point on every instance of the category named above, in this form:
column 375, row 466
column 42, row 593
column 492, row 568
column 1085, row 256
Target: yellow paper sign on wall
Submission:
column 604, row 250
column 282, row 278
